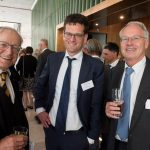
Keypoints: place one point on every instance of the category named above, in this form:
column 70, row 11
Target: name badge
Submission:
column 147, row 104
column 87, row 85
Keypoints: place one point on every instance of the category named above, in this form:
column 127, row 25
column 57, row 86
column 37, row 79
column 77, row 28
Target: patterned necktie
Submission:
column 64, row 99
column 123, row 122
column 3, row 76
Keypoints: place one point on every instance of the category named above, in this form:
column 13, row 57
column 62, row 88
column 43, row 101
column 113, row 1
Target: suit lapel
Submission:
column 56, row 68
column 141, row 96
column 116, row 74
column 84, row 70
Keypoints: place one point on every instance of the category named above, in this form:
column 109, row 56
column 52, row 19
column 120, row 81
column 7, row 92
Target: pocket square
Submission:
column 147, row 104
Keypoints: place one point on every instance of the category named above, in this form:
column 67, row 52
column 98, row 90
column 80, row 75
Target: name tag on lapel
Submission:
column 147, row 104
column 87, row 85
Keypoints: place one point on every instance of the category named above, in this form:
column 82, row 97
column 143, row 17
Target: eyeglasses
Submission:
column 5, row 45
column 69, row 35
column 136, row 38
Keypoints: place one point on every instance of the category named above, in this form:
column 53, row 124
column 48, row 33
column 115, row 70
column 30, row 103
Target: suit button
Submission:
column 130, row 135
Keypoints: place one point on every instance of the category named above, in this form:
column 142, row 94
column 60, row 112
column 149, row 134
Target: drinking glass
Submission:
column 20, row 130
column 117, row 98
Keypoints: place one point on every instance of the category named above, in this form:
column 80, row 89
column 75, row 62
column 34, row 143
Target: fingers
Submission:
column 112, row 110
column 14, row 142
column 44, row 118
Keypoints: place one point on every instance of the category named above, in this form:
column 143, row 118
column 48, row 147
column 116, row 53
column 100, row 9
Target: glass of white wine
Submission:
column 20, row 130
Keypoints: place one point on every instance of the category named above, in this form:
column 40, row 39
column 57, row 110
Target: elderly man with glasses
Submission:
column 11, row 109
column 130, row 127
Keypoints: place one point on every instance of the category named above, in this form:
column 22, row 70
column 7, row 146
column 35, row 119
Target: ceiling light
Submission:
column 96, row 24
column 121, row 17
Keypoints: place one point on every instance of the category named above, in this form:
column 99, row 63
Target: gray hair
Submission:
column 140, row 24
column 94, row 46
column 13, row 30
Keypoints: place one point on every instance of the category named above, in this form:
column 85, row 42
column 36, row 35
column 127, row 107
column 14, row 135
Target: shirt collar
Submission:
column 113, row 64
column 9, row 73
column 43, row 50
column 78, row 56
column 137, row 67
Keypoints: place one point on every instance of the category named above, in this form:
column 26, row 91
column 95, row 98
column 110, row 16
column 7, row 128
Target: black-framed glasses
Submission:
column 69, row 35
column 5, row 45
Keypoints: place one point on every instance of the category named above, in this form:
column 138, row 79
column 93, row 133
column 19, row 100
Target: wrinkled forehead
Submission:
column 10, row 36
column 132, row 29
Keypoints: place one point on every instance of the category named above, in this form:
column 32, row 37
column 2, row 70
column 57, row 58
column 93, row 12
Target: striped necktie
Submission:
column 3, row 76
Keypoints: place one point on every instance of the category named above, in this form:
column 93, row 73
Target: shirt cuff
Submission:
column 91, row 141
column 39, row 110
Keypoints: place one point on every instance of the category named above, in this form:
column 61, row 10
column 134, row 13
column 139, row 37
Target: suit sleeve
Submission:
column 96, row 103
column 39, row 89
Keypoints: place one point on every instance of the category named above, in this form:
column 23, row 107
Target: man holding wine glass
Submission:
column 130, row 128
column 11, row 109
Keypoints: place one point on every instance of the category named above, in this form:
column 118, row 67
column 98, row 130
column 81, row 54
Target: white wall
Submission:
column 21, row 16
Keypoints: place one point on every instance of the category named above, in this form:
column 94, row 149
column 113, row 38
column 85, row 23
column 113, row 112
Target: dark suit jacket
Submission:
column 42, row 61
column 11, row 115
column 88, row 102
column 139, row 132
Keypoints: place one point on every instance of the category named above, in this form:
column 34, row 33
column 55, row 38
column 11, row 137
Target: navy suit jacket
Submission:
column 88, row 101
column 139, row 132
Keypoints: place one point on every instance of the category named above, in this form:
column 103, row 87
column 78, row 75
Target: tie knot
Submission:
column 129, row 70
column 3, row 76
column 70, row 59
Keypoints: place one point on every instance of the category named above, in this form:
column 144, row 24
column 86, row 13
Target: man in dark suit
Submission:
column 134, row 133
column 110, row 54
column 11, row 109
column 44, row 52
column 81, row 127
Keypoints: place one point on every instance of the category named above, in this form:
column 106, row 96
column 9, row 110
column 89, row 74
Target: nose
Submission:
column 72, row 37
column 9, row 50
column 129, row 42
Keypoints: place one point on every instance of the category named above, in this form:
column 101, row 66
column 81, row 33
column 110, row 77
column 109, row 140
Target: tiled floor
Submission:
column 35, row 131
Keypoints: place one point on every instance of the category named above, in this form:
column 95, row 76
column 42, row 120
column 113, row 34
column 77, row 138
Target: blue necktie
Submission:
column 123, row 122
column 60, row 124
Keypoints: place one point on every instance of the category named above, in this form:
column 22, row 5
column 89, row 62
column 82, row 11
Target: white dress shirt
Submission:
column 73, row 121
column 113, row 64
column 135, row 79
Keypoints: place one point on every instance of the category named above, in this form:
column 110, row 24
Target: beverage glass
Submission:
column 20, row 130
column 117, row 98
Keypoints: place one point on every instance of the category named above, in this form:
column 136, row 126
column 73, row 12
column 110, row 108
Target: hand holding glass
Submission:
column 20, row 130
column 117, row 98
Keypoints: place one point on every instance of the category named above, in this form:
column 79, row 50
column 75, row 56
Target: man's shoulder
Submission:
column 56, row 55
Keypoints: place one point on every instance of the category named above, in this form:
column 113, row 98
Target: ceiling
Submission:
column 130, row 9
column 17, row 4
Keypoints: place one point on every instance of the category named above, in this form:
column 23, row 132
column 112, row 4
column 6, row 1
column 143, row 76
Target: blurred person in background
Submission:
column 110, row 54
column 93, row 47
column 22, row 52
column 43, row 52
column 26, row 67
